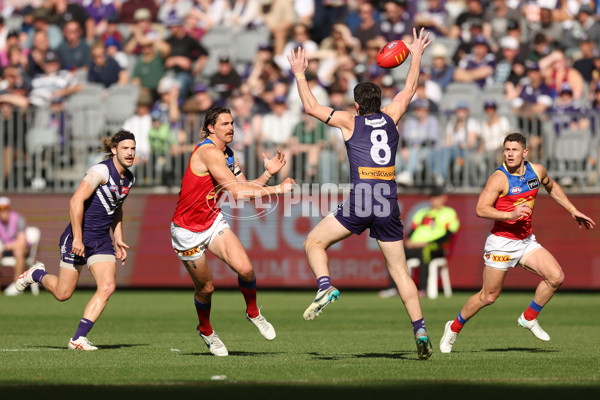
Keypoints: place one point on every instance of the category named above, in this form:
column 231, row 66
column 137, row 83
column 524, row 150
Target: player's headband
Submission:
column 125, row 136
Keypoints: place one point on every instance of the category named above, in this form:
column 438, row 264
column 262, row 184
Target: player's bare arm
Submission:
column 558, row 195
column 76, row 208
column 496, row 186
column 339, row 119
column 398, row 106
column 210, row 159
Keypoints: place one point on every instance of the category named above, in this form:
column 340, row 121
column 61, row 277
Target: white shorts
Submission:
column 191, row 245
column 503, row 253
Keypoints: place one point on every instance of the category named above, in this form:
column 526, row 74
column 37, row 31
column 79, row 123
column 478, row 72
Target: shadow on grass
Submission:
column 399, row 355
column 305, row 390
column 520, row 350
column 237, row 353
column 101, row 347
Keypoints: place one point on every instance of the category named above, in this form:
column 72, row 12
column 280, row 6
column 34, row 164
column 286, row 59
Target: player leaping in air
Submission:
column 371, row 140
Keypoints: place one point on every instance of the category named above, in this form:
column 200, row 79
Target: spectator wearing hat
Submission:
column 140, row 30
column 104, row 69
column 463, row 133
column 566, row 113
column 513, row 29
column 496, row 20
column 585, row 23
column 74, row 51
column 130, row 8
column 53, row 86
column 168, row 101
column 225, row 79
column 494, row 129
column 534, row 100
column 442, row 72
column 478, row 66
column 510, row 68
column 547, row 25
column 187, row 57
column 13, row 241
column 149, row 67
column 397, row 23
column 419, row 142
column 41, row 22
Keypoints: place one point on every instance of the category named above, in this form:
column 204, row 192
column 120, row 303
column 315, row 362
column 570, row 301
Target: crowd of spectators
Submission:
column 542, row 55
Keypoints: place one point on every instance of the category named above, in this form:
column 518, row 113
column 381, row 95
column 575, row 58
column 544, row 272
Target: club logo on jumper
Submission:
column 189, row 252
column 392, row 45
column 533, row 183
column 501, row 259
column 385, row 174
column 113, row 188
column 515, row 190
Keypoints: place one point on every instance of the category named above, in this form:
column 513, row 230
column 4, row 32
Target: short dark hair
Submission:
column 516, row 137
column 368, row 97
column 211, row 119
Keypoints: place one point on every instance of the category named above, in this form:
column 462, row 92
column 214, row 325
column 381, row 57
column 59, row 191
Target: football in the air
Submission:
column 392, row 54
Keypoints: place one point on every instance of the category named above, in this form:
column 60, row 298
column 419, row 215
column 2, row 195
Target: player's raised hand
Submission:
column 523, row 210
column 419, row 43
column 298, row 60
column 583, row 220
column 273, row 165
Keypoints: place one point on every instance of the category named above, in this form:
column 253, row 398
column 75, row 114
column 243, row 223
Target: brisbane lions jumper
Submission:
column 197, row 207
column 519, row 189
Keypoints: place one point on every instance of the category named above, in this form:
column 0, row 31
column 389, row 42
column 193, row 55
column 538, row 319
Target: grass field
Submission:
column 360, row 347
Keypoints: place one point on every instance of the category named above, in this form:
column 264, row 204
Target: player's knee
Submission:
column 556, row 279
column 310, row 243
column 63, row 295
column 107, row 289
column 246, row 273
column 489, row 298
column 206, row 290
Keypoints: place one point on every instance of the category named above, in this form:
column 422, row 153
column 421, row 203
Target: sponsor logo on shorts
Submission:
column 515, row 190
column 501, row 259
column 124, row 190
column 385, row 174
column 113, row 188
column 533, row 183
column 189, row 252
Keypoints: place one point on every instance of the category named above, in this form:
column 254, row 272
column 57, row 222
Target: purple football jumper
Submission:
column 372, row 202
column 98, row 216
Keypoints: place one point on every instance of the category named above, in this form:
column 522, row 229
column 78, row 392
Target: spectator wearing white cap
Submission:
column 13, row 241
column 508, row 60
column 442, row 71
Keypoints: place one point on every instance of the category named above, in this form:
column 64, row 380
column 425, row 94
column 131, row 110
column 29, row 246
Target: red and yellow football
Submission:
column 392, row 54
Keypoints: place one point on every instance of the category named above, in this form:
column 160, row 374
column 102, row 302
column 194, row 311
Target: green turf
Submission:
column 360, row 346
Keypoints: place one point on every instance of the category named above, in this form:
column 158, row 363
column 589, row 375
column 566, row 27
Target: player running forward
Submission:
column 198, row 223
column 95, row 208
column 508, row 199
column 371, row 140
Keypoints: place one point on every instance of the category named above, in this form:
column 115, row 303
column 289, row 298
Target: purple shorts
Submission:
column 380, row 215
column 92, row 247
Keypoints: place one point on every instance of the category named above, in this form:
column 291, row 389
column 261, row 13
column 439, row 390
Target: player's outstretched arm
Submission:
column 398, row 106
column 339, row 119
column 558, row 195
column 212, row 158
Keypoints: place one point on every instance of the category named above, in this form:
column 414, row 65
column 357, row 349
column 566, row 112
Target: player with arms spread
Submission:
column 508, row 199
column 198, row 223
column 371, row 139
column 95, row 208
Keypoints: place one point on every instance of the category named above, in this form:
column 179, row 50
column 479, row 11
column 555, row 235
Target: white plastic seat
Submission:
column 436, row 265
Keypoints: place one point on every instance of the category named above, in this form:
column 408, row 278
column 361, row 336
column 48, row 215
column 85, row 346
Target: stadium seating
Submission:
column 570, row 151
column 436, row 265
